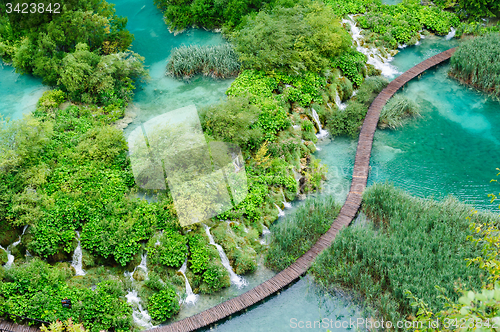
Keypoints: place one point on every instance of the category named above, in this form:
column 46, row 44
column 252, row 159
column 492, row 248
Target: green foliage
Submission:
column 297, row 233
column 233, row 121
column 168, row 248
column 182, row 14
column 253, row 83
column 401, row 23
column 59, row 326
column 218, row 61
column 477, row 62
column 51, row 99
column 408, row 238
column 3, row 257
column 396, row 110
column 293, row 40
column 480, row 8
column 163, row 305
column 343, row 7
column 35, row 289
column 215, row 277
column 352, row 65
column 348, row 121
column 370, row 88
column 83, row 50
column 198, row 253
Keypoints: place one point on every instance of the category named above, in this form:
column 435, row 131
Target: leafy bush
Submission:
column 35, row 289
column 3, row 257
column 218, row 61
column 297, row 233
column 168, row 248
column 476, row 62
column 370, row 88
column 198, row 253
column 396, row 110
column 163, row 305
column 352, row 65
column 348, row 121
column 408, row 238
column 293, row 40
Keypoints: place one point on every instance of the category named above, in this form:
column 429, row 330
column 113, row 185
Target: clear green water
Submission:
column 18, row 93
column 154, row 42
column 303, row 301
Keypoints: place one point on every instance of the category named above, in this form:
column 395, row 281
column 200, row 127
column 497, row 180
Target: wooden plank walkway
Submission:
column 346, row 215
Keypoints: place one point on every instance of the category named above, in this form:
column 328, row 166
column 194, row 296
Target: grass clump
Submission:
column 297, row 233
column 477, row 62
column 412, row 244
column 218, row 61
column 396, row 111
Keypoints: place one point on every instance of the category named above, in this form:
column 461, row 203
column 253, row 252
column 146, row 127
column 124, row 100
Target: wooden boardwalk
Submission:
column 346, row 215
column 13, row 327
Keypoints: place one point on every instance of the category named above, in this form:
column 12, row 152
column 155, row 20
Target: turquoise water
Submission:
column 303, row 302
column 154, row 42
column 18, row 93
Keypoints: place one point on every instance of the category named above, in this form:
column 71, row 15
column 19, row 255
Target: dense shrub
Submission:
column 297, row 233
column 35, row 289
column 218, row 61
column 370, row 88
column 163, row 305
column 168, row 248
column 408, row 238
column 352, row 65
column 293, row 40
column 396, row 110
column 347, row 122
column 477, row 62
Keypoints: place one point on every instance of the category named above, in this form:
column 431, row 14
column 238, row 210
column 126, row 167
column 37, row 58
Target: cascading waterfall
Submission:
column 322, row 133
column 374, row 56
column 191, row 297
column 77, row 258
column 288, row 205
column 265, row 233
column 341, row 106
column 140, row 316
column 235, row 279
column 281, row 213
column 10, row 257
column 451, row 34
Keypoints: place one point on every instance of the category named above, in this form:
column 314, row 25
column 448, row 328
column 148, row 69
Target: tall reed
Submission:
column 477, row 62
column 297, row 233
column 218, row 61
column 411, row 243
column 397, row 109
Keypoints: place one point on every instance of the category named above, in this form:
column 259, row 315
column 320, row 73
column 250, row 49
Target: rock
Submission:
column 139, row 275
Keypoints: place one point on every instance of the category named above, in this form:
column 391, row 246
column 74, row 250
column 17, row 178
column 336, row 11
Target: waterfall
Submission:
column 375, row 58
column 77, row 258
column 322, row 133
column 265, row 232
column 451, row 34
column 139, row 314
column 191, row 297
column 235, row 279
column 281, row 213
column 288, row 205
column 10, row 258
column 341, row 106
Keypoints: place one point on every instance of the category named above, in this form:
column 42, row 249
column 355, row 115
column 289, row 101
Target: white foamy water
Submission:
column 265, row 234
column 288, row 205
column 281, row 213
column 191, row 297
column 341, row 106
column 375, row 58
column 322, row 133
column 451, row 34
column 140, row 316
column 235, row 279
column 77, row 258
column 10, row 258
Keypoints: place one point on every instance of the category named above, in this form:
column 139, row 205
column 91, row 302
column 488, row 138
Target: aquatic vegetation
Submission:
column 297, row 233
column 397, row 109
column 477, row 62
column 35, row 289
column 408, row 238
column 218, row 61
column 292, row 40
